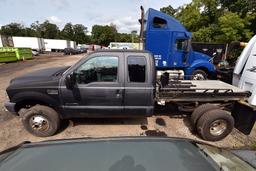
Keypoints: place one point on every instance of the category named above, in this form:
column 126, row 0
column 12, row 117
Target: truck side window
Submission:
column 98, row 69
column 159, row 22
column 137, row 69
column 181, row 44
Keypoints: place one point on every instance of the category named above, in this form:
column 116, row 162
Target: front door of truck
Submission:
column 178, row 48
column 98, row 90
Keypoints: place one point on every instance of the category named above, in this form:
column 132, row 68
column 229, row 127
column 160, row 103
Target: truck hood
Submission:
column 44, row 76
column 201, row 56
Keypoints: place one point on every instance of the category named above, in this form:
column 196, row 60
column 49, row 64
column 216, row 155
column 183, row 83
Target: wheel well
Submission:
column 28, row 103
column 204, row 69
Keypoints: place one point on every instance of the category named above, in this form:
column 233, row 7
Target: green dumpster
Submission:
column 9, row 54
column 24, row 53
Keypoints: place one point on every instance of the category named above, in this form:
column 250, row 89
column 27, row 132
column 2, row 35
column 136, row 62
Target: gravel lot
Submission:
column 162, row 124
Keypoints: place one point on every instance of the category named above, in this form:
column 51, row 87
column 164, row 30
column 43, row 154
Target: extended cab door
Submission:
column 98, row 89
column 139, row 84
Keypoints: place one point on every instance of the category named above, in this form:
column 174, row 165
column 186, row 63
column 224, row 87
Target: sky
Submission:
column 123, row 13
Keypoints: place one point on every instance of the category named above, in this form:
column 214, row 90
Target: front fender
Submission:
column 197, row 64
column 31, row 95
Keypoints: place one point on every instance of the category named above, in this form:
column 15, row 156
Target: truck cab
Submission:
column 170, row 43
column 110, row 83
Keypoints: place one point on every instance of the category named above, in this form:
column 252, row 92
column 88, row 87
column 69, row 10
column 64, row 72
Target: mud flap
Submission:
column 244, row 116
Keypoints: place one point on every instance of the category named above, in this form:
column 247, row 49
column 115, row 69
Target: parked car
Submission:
column 35, row 52
column 124, row 154
column 124, row 47
column 82, row 50
column 72, row 51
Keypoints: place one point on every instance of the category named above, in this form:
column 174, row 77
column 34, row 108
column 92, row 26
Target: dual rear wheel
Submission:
column 212, row 123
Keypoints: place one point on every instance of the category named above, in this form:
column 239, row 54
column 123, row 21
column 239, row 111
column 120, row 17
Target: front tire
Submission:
column 199, row 75
column 215, row 125
column 41, row 121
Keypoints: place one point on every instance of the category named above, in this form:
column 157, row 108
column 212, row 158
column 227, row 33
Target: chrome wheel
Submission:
column 198, row 77
column 39, row 123
column 218, row 127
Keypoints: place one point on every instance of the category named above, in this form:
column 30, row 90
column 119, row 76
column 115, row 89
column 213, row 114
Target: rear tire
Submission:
column 200, row 110
column 199, row 75
column 215, row 125
column 41, row 121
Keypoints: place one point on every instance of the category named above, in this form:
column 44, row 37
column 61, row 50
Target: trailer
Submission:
column 73, row 44
column 34, row 43
column 6, row 41
column 56, row 44
column 123, row 45
column 1, row 44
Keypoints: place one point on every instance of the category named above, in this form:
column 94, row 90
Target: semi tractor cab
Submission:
column 170, row 43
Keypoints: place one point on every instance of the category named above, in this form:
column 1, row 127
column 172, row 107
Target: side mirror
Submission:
column 70, row 81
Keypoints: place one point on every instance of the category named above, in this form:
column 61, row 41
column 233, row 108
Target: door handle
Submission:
column 118, row 93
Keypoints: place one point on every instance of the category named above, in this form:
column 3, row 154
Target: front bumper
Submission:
column 10, row 107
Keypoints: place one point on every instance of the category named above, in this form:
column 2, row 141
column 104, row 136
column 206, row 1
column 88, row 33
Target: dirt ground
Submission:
column 164, row 124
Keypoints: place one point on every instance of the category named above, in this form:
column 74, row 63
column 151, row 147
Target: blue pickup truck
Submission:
column 170, row 43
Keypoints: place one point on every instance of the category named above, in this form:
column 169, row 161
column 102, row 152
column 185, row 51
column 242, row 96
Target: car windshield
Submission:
column 119, row 154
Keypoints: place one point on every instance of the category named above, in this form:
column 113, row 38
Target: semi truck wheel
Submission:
column 200, row 110
column 215, row 125
column 41, row 121
column 198, row 75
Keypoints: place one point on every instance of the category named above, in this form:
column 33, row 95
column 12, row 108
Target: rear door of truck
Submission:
column 139, row 84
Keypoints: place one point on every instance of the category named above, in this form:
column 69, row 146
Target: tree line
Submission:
column 101, row 34
column 220, row 21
